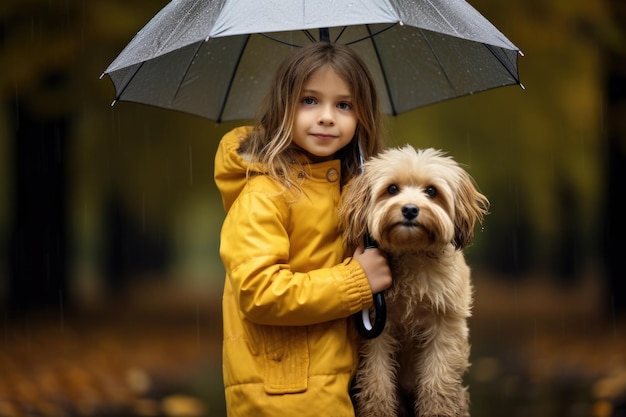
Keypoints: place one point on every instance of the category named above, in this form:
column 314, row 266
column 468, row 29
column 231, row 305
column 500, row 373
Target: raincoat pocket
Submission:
column 286, row 359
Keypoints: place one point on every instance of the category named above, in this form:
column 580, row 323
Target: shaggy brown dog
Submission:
column 421, row 208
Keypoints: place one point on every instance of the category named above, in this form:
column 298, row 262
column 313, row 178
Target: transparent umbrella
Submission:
column 215, row 58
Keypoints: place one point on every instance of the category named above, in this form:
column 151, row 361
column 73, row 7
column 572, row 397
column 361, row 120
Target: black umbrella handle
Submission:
column 363, row 322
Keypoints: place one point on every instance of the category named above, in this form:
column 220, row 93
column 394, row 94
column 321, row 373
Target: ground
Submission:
column 537, row 350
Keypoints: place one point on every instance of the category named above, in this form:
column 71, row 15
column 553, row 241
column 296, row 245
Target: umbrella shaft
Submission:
column 324, row 35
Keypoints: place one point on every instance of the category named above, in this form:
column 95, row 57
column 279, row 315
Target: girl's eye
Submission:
column 393, row 189
column 431, row 191
column 308, row 100
column 344, row 106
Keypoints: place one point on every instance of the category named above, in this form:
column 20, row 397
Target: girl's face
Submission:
column 325, row 119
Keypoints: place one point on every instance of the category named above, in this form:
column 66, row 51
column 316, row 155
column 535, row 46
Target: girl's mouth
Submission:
column 323, row 136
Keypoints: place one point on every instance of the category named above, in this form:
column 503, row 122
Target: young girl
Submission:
column 289, row 348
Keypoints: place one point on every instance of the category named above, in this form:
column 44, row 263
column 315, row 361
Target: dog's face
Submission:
column 412, row 199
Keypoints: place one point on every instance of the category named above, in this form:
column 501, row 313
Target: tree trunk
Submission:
column 38, row 263
column 615, row 114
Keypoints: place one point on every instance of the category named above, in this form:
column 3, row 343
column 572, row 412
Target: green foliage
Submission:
column 536, row 153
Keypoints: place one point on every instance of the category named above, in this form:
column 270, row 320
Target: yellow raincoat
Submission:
column 289, row 348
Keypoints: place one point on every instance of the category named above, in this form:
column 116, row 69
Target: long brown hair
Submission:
column 270, row 141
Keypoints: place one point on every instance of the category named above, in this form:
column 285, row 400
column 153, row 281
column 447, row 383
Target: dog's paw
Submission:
column 444, row 407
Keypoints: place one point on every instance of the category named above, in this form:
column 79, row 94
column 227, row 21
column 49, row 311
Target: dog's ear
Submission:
column 353, row 211
column 471, row 207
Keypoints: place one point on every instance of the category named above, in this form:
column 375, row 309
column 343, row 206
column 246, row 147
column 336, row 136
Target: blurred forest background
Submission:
column 110, row 278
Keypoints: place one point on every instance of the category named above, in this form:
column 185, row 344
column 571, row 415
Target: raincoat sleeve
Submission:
column 255, row 248
column 230, row 167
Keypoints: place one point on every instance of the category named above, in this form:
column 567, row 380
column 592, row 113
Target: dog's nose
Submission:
column 410, row 211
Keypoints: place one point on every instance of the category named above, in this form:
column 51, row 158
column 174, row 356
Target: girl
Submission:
column 288, row 346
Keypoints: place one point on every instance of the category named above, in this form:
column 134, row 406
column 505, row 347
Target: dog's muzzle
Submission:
column 410, row 211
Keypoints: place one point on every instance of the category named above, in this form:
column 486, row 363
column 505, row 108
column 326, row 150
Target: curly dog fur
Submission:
column 421, row 208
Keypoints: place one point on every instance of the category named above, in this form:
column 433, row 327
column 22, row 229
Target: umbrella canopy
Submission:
column 215, row 58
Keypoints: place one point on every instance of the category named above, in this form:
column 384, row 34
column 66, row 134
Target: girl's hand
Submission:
column 375, row 266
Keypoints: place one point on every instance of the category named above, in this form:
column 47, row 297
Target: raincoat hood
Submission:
column 230, row 166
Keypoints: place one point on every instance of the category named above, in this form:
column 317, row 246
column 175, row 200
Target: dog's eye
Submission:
column 393, row 189
column 431, row 191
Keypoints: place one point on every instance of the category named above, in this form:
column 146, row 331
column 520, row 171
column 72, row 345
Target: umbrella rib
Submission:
column 340, row 33
column 382, row 70
column 230, row 82
column 305, row 31
column 310, row 36
column 371, row 35
column 180, row 22
column 443, row 69
column 186, row 71
column 119, row 95
column 265, row 35
column 450, row 25
column 493, row 50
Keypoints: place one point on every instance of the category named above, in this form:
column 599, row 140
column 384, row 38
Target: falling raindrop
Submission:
column 143, row 212
column 198, row 325
column 61, row 310
column 190, row 165
column 168, row 174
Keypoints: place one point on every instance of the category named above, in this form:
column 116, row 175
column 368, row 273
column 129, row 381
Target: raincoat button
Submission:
column 332, row 175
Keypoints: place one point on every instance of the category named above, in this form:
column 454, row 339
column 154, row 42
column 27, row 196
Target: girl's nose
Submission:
column 327, row 117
